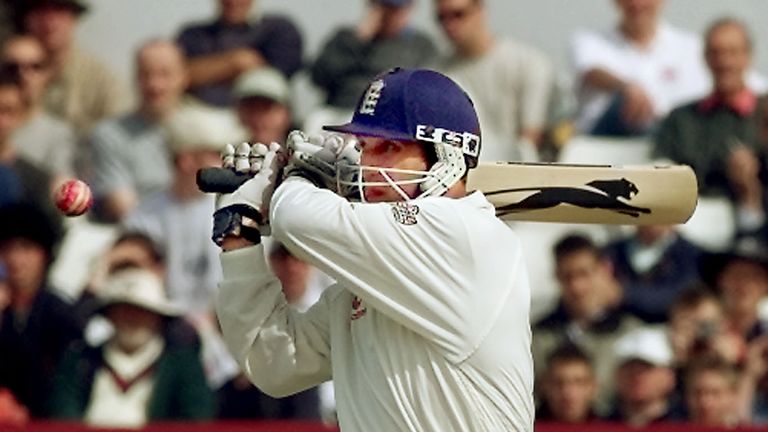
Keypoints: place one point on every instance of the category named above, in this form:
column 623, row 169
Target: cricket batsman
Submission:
column 427, row 328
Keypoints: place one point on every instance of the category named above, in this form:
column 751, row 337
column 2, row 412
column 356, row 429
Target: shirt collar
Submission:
column 744, row 103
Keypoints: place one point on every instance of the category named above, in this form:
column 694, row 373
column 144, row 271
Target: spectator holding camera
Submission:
column 697, row 327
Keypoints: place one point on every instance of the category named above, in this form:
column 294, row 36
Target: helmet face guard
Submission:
column 416, row 105
column 450, row 167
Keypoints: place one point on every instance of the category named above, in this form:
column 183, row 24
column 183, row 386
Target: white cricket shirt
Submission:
column 671, row 70
column 426, row 330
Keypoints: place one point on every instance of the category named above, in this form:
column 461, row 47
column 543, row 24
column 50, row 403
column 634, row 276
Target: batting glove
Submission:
column 245, row 212
column 328, row 160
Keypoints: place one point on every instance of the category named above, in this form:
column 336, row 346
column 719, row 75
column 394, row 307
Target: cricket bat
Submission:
column 549, row 192
column 603, row 194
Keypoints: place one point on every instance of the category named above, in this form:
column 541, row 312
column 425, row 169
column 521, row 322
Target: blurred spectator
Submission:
column 130, row 154
column 645, row 380
column 510, row 83
column 178, row 217
column 718, row 135
column 740, row 278
column 240, row 398
column 381, row 40
column 42, row 139
column 263, row 105
column 653, row 266
column 36, row 326
column 131, row 250
column 82, row 90
column 36, row 184
column 710, row 393
column 589, row 313
column 697, row 328
column 568, row 387
column 634, row 73
column 138, row 375
column 232, row 44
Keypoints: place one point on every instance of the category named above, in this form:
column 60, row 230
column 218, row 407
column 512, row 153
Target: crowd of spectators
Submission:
column 648, row 327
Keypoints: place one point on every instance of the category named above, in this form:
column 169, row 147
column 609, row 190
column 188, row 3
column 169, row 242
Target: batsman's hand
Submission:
column 244, row 213
column 329, row 160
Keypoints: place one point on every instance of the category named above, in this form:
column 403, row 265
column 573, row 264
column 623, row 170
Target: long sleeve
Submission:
column 421, row 274
column 281, row 350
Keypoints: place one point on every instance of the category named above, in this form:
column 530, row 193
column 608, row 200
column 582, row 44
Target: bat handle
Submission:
column 220, row 180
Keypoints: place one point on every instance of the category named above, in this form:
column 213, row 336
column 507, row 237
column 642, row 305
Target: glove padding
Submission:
column 328, row 160
column 245, row 212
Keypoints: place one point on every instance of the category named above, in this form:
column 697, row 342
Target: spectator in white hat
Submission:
column 263, row 105
column 138, row 375
column 645, row 379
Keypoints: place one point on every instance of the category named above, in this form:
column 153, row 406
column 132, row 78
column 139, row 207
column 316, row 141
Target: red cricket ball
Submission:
column 73, row 197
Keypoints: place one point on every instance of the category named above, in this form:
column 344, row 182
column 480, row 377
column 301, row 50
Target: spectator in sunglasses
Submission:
column 42, row 139
column 510, row 82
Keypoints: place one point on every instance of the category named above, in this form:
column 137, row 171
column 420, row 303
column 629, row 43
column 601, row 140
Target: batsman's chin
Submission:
column 375, row 194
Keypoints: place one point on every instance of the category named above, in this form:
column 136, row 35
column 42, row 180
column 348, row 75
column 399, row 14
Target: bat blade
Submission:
column 604, row 194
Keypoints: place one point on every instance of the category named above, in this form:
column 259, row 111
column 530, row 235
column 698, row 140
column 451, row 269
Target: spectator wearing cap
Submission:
column 645, row 381
column 130, row 153
column 130, row 250
column 36, row 325
column 354, row 55
column 263, row 105
column 233, row 44
column 589, row 314
column 654, row 265
column 510, row 83
column 740, row 279
column 82, row 90
column 568, row 388
column 42, row 139
column 138, row 376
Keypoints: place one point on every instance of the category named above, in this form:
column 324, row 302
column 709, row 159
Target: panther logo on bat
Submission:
column 597, row 194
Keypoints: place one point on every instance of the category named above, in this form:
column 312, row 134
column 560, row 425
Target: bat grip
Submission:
column 220, row 180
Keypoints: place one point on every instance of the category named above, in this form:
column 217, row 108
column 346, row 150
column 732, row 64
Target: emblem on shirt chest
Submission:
column 405, row 213
column 358, row 309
